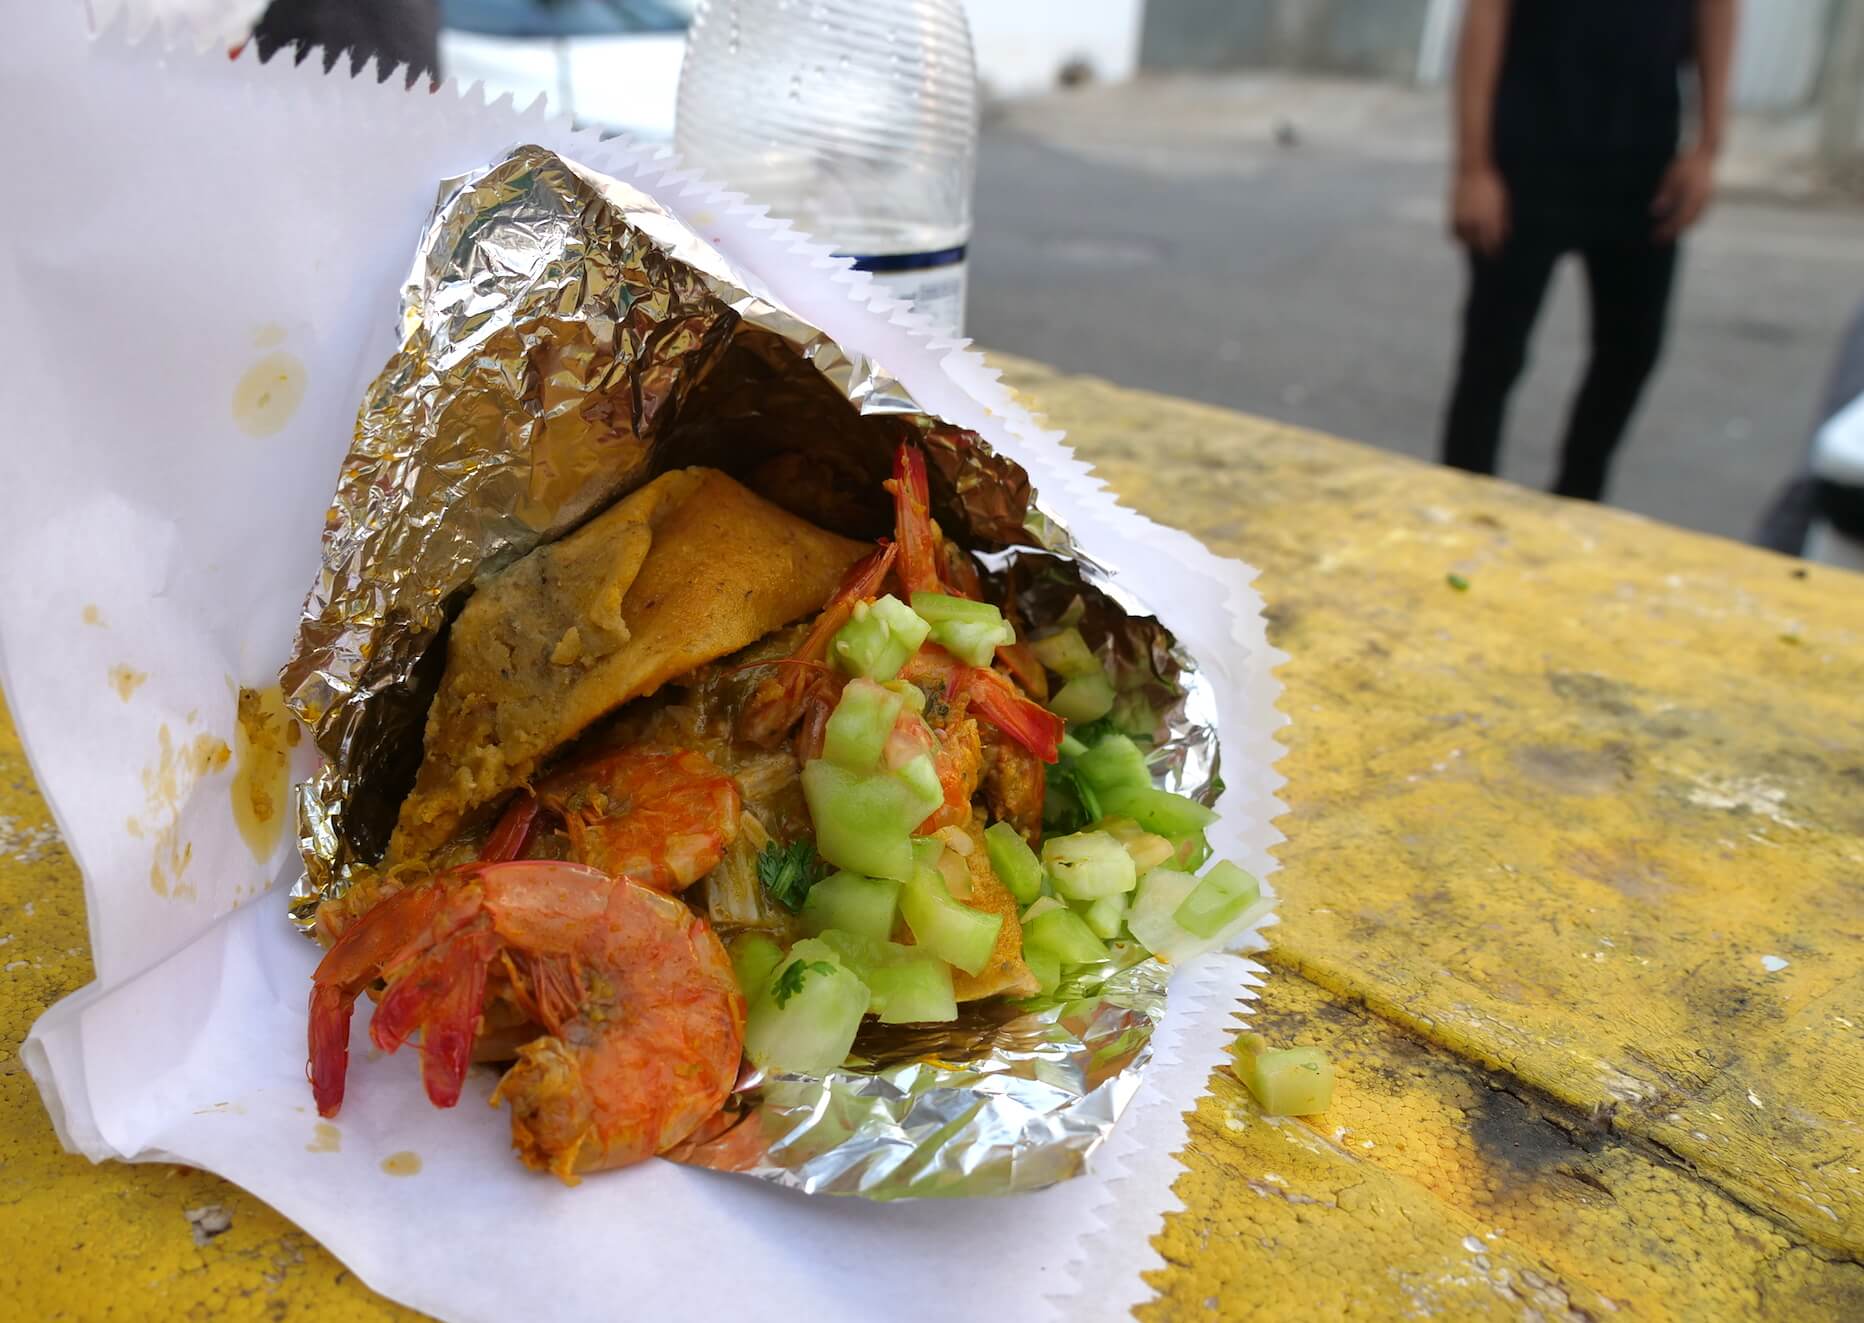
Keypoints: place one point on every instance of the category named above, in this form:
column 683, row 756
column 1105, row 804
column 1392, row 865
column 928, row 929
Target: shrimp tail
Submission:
column 912, row 521
column 441, row 996
column 329, row 1045
column 375, row 942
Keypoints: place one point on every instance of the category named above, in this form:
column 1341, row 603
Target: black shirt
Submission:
column 1592, row 82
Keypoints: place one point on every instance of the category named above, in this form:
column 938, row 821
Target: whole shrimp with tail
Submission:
column 642, row 1019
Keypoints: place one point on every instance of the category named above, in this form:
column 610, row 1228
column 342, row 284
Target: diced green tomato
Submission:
column 1084, row 698
column 905, row 985
column 753, row 956
column 911, row 694
column 1071, row 747
column 811, row 1033
column 1066, row 653
column 1014, row 863
column 857, row 731
column 1151, row 919
column 1133, row 714
column 1088, row 865
column 1106, row 916
column 1042, row 905
column 973, row 644
column 1114, row 762
column 1291, row 1081
column 1045, row 965
column 945, row 926
column 1066, row 934
column 879, row 638
column 1160, row 811
column 1219, row 900
column 940, row 608
column 863, row 905
column 864, row 822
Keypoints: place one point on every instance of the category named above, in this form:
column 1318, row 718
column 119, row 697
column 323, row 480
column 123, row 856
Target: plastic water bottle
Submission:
column 857, row 119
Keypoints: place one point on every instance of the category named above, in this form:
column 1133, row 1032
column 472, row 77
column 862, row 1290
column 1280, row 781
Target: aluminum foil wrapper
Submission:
column 565, row 339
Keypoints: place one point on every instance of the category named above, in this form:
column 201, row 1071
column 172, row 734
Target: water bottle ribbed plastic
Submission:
column 857, row 119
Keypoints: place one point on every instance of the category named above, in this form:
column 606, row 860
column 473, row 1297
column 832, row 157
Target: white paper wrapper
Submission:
column 177, row 219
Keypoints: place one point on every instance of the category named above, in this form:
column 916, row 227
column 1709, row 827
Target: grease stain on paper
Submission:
column 126, row 680
column 269, row 336
column 268, row 394
column 404, row 1163
column 166, row 784
column 262, row 740
column 92, row 616
column 325, row 1138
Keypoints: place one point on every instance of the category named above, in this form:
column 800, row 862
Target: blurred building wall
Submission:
column 1777, row 65
column 1378, row 38
column 1024, row 45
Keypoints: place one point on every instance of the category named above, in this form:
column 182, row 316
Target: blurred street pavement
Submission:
column 1276, row 244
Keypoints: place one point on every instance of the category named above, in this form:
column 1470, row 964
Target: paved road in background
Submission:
column 1157, row 235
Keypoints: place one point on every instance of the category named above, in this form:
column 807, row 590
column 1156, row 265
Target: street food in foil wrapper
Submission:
column 733, row 752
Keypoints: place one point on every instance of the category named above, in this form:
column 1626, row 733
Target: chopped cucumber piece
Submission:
column 1088, row 865
column 1045, row 965
column 1152, row 918
column 911, row 694
column 1107, row 917
column 975, row 645
column 1290, row 1081
column 905, row 985
column 864, row 822
column 1084, row 698
column 941, row 608
column 1190, row 852
column 1014, row 863
column 970, row 631
column 945, row 926
column 1067, row 935
column 1133, row 714
column 1218, row 901
column 753, row 956
column 1160, row 811
column 1071, row 747
column 879, row 638
column 1042, row 905
column 1114, row 762
column 921, row 776
column 803, row 1020
column 1066, row 653
column 863, row 905
column 858, row 729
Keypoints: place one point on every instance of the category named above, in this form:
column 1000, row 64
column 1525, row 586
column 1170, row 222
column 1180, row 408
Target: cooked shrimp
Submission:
column 804, row 687
column 662, row 819
column 643, row 1021
column 952, row 688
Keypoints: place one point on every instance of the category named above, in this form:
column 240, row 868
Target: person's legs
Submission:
column 1629, row 282
column 1505, row 294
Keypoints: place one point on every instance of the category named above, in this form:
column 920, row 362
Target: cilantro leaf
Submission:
column 788, row 871
column 790, row 981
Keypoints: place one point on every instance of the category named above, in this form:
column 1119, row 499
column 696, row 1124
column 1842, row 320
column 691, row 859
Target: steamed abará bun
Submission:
column 690, row 568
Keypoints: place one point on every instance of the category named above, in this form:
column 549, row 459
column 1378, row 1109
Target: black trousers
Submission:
column 1629, row 277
